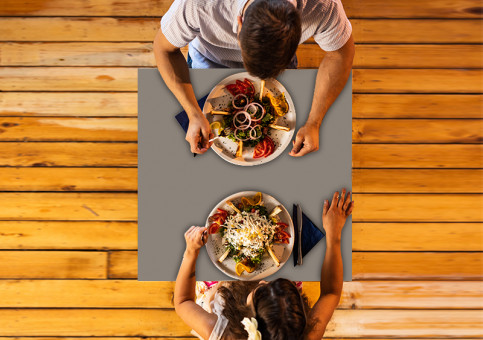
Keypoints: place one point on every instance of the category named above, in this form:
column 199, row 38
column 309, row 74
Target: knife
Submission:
column 299, row 224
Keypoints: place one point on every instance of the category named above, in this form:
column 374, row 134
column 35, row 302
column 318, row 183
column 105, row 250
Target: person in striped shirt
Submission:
column 261, row 36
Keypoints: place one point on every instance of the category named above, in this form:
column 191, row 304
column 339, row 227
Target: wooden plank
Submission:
column 413, row 31
column 68, row 235
column 366, row 266
column 430, row 237
column 417, row 156
column 125, row 79
column 353, row 8
column 123, row 265
column 416, row 81
column 398, row 56
column 68, row 179
column 68, row 104
column 418, row 208
column 417, row 106
column 379, row 31
column 41, row 154
column 52, row 265
column 68, row 129
column 417, row 131
column 135, row 294
column 77, row 54
column 310, row 55
column 417, row 181
column 152, row 322
column 69, row 206
column 67, row 79
column 416, row 265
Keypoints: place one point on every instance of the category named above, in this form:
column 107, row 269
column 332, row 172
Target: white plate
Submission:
column 267, row 267
column 219, row 98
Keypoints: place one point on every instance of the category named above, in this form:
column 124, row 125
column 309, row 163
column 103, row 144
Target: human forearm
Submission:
column 174, row 70
column 331, row 279
column 186, row 280
column 334, row 70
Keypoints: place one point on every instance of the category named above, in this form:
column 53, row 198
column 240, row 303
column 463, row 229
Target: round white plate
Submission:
column 219, row 98
column 267, row 267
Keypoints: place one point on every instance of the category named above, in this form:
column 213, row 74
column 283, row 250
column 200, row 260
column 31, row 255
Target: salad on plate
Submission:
column 248, row 231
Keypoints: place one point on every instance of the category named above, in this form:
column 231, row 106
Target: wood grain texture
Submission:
column 68, row 154
column 68, row 79
column 144, row 29
column 416, row 81
column 417, row 106
column 353, row 8
column 417, row 181
column 417, row 237
column 68, row 104
column 69, row 206
column 418, row 208
column 417, row 156
column 365, row 266
column 52, row 265
column 134, row 294
column 424, row 131
column 310, row 55
column 151, row 322
column 68, row 179
column 410, row 266
column 68, row 129
column 62, row 235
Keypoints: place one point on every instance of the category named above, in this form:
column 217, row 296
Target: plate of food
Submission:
column 250, row 235
column 253, row 120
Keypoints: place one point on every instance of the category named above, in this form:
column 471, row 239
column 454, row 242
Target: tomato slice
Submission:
column 232, row 88
column 283, row 234
column 270, row 148
column 260, row 149
column 222, row 212
column 213, row 228
column 251, row 88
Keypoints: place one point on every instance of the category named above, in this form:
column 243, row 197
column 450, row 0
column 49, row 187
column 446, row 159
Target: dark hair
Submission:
column 269, row 37
column 280, row 310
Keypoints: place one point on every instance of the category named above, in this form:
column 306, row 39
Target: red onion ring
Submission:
column 254, row 128
column 235, row 98
column 247, row 109
column 242, row 124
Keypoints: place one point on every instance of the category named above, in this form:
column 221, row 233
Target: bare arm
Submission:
column 173, row 68
column 184, row 291
column 334, row 70
column 331, row 279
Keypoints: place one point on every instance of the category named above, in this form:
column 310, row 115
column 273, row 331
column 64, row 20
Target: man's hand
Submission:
column 199, row 134
column 306, row 141
column 335, row 214
column 195, row 239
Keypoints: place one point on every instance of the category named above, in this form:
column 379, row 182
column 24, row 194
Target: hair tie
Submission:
column 251, row 326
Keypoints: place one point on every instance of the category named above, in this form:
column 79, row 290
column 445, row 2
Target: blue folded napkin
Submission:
column 182, row 117
column 311, row 235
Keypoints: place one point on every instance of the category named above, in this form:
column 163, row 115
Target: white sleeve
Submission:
column 335, row 29
column 180, row 25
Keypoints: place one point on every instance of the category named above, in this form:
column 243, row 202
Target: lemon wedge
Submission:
column 216, row 126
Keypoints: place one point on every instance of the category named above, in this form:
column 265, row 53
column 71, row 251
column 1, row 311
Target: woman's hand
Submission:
column 199, row 133
column 335, row 214
column 196, row 238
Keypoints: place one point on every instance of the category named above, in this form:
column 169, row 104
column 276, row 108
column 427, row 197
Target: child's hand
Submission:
column 335, row 214
column 196, row 238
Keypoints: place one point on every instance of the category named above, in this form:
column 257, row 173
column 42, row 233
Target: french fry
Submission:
column 277, row 210
column 278, row 127
column 262, row 87
column 274, row 258
column 215, row 112
column 233, row 207
column 239, row 151
column 223, row 257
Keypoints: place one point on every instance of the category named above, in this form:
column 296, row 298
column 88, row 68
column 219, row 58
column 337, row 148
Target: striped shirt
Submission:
column 210, row 28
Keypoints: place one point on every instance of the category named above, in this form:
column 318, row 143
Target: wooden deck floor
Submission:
column 68, row 177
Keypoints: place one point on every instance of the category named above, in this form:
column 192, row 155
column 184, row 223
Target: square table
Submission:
column 177, row 190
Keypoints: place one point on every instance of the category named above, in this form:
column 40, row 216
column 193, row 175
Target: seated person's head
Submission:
column 280, row 310
column 269, row 36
